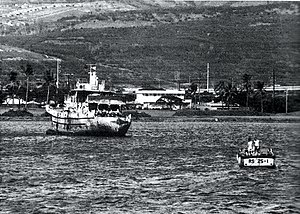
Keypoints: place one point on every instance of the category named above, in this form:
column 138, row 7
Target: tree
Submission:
column 13, row 76
column 21, row 92
column 2, row 96
column 13, row 86
column 220, row 91
column 27, row 69
column 261, row 92
column 170, row 101
column 193, row 90
column 230, row 94
column 247, row 86
column 48, row 79
column 227, row 92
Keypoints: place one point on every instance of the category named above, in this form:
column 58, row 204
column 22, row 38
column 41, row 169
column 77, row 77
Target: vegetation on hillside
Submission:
column 255, row 40
column 175, row 46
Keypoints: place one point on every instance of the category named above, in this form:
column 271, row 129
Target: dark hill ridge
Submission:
column 234, row 40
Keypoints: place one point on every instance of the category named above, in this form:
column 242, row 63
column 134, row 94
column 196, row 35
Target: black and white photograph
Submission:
column 149, row 107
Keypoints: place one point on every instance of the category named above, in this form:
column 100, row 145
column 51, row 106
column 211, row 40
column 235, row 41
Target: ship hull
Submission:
column 256, row 161
column 87, row 124
column 99, row 133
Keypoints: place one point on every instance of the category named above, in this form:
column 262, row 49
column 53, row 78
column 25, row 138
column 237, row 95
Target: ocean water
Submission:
column 160, row 167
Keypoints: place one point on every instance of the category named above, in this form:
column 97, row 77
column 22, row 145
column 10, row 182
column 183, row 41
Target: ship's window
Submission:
column 92, row 106
column 103, row 107
column 82, row 95
column 72, row 93
column 114, row 107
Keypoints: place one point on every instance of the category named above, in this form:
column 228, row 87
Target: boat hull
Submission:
column 88, row 124
column 99, row 133
column 256, row 161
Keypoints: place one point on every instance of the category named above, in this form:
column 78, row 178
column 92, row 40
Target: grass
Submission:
column 17, row 113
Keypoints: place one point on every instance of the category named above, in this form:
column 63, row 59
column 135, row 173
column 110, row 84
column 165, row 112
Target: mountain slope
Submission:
column 33, row 16
column 154, row 47
column 9, row 53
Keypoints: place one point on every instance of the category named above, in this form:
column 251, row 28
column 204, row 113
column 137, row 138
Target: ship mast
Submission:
column 57, row 71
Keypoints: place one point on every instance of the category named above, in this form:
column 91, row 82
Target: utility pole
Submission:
column 68, row 75
column 177, row 79
column 57, row 72
column 273, row 95
column 286, row 100
column 57, row 78
column 207, row 81
column 199, row 87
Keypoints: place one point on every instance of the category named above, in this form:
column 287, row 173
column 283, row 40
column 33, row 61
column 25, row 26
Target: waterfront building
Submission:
column 207, row 106
column 283, row 88
column 147, row 98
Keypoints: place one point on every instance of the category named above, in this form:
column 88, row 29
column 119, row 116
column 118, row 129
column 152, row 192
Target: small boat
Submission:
column 263, row 158
column 90, row 110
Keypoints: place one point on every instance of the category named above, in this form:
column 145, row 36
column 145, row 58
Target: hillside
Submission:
column 9, row 53
column 21, row 17
column 143, row 43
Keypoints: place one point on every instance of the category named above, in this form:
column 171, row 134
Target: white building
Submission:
column 283, row 88
column 216, row 106
column 15, row 101
column 147, row 97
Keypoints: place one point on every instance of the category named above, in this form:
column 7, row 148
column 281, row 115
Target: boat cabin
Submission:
column 262, row 158
column 263, row 152
column 78, row 96
column 105, row 104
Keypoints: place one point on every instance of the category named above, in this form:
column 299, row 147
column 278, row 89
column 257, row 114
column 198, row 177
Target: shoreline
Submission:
column 252, row 119
column 218, row 119
column 168, row 116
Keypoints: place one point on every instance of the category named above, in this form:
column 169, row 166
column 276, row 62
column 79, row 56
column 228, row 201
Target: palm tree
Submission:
column 13, row 78
column 193, row 89
column 27, row 69
column 247, row 86
column 260, row 88
column 230, row 94
column 227, row 92
column 49, row 79
column 220, row 90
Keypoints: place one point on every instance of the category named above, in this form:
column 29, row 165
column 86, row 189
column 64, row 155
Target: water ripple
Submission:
column 161, row 167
